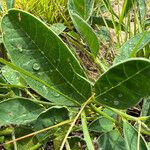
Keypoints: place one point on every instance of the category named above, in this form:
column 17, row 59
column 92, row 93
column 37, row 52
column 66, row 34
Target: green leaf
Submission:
column 1, row 6
column 146, row 110
column 108, row 5
column 100, row 21
column 10, row 3
column 147, row 23
column 141, row 4
column 131, row 138
column 33, row 47
column 132, row 46
column 87, row 32
column 111, row 141
column 27, row 143
column 101, row 125
column 124, row 84
column 75, row 142
column 49, row 118
column 10, row 75
column 128, row 4
column 86, row 133
column 58, row 28
column 18, row 111
column 83, row 8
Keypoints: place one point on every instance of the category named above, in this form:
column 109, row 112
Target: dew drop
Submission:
column 45, row 88
column 4, row 71
column 42, row 52
column 106, row 88
column 56, row 95
column 120, row 95
column 130, row 43
column 116, row 102
column 36, row 66
column 54, row 61
column 105, row 99
column 40, row 73
column 20, row 50
column 19, row 17
column 50, row 70
column 68, row 60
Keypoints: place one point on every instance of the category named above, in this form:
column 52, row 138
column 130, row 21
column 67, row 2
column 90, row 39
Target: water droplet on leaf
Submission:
column 130, row 43
column 120, row 95
column 68, row 60
column 56, row 94
column 116, row 102
column 105, row 99
column 106, row 88
column 36, row 66
column 50, row 70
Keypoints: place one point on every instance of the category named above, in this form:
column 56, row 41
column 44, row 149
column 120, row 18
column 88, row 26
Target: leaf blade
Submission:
column 131, row 137
column 45, row 56
column 133, row 45
column 124, row 84
column 12, row 114
column 87, row 32
column 83, row 8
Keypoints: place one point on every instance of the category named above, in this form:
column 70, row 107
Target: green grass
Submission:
column 51, row 11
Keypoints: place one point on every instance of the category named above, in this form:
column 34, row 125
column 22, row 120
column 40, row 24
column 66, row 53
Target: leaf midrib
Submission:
column 46, row 57
column 138, row 72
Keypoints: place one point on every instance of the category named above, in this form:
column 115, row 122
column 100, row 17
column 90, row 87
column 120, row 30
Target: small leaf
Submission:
column 132, row 46
column 26, row 143
column 101, row 125
column 86, row 133
column 111, row 141
column 58, row 28
column 83, row 8
column 147, row 23
column 1, row 6
column 48, row 118
column 76, row 142
column 100, row 21
column 146, row 110
column 10, row 3
column 87, row 33
column 141, row 4
column 124, row 84
column 33, row 47
column 128, row 4
column 18, row 111
column 131, row 138
column 10, row 75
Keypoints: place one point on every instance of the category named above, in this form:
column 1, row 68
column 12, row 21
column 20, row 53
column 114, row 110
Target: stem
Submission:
column 95, row 109
column 37, row 132
column 30, row 94
column 145, row 132
column 14, row 138
column 45, row 103
column 35, row 147
column 124, row 115
column 67, row 145
column 7, row 131
column 86, row 132
column 74, row 121
column 144, row 118
column 138, row 140
column 13, row 86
